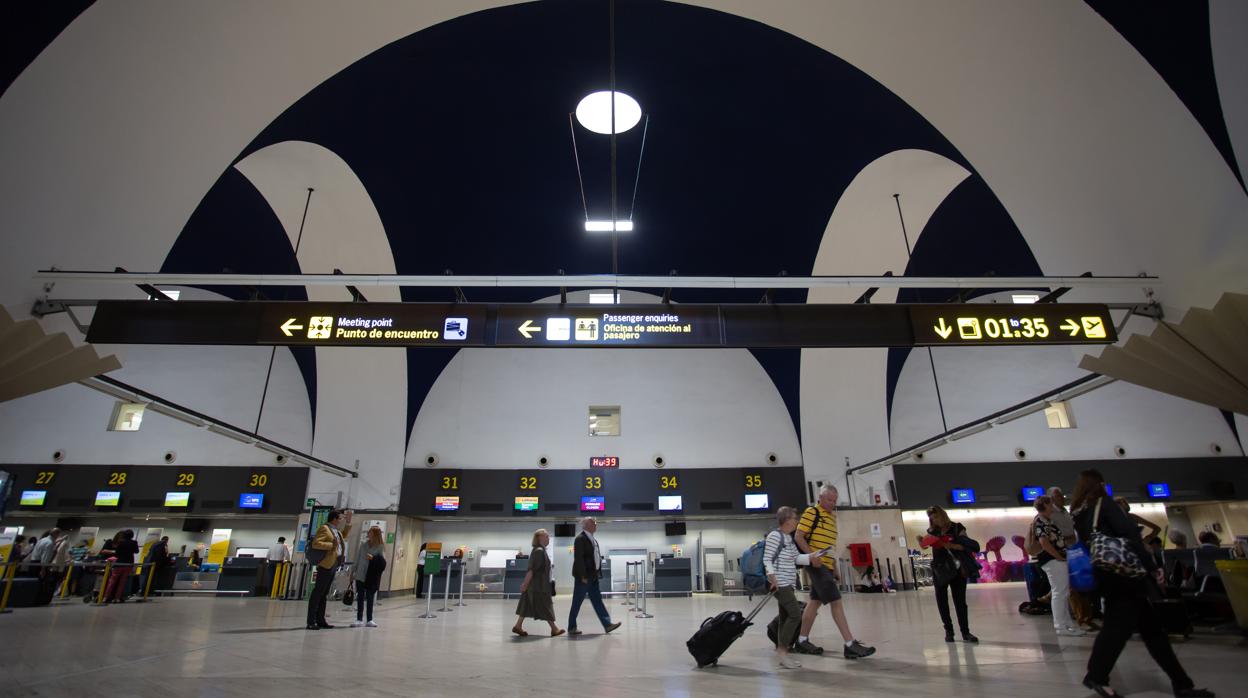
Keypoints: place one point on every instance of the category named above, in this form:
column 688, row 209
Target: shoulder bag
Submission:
column 1112, row 554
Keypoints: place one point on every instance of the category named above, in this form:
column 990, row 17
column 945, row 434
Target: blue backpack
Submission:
column 753, row 572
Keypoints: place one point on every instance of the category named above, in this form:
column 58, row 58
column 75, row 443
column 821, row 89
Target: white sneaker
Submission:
column 787, row 661
column 371, row 624
column 1072, row 632
column 357, row 624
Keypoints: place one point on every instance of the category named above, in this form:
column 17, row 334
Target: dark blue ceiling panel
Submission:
column 27, row 27
column 1174, row 38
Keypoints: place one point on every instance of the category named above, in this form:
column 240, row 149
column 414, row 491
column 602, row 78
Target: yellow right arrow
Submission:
column 1071, row 326
column 528, row 327
column 942, row 329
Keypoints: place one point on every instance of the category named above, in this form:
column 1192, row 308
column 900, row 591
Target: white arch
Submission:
column 361, row 406
column 843, row 406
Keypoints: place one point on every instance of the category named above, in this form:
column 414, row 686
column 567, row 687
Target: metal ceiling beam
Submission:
column 602, row 281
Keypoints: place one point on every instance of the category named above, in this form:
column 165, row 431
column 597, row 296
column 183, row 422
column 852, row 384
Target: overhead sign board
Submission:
column 655, row 325
column 1026, row 323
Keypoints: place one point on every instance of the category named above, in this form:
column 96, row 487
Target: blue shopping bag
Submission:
column 1079, row 563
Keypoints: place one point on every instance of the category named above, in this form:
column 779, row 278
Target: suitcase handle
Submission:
column 760, row 605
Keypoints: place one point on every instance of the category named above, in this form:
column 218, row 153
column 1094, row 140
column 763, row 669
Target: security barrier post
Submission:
column 147, row 588
column 628, row 584
column 446, row 588
column 428, row 599
column 645, row 604
column 108, row 569
column 69, row 572
column 10, row 569
column 461, row 585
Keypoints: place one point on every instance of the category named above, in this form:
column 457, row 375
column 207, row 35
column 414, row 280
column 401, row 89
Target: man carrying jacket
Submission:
column 330, row 545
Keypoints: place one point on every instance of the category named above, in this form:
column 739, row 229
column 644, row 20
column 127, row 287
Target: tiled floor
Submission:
column 258, row 648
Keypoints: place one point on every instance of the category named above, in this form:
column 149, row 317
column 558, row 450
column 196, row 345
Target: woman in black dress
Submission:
column 1127, row 607
column 535, row 592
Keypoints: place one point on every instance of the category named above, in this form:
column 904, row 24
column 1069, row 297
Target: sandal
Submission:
column 1102, row 690
column 519, row 632
column 558, row 632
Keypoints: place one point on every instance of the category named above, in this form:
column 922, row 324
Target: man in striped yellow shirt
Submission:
column 817, row 532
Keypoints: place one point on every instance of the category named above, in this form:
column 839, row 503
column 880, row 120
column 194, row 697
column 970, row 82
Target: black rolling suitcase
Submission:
column 1173, row 616
column 717, row 634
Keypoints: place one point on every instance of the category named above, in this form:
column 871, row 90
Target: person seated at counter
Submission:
column 196, row 561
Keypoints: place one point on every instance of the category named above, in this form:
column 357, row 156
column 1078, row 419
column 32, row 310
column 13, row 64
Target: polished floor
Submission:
column 257, row 647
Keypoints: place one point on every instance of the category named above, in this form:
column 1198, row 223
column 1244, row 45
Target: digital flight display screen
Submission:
column 604, row 461
column 670, row 502
column 1158, row 490
column 756, row 502
column 593, row 503
column 1031, row 494
column 526, row 503
column 107, row 498
column 251, row 500
column 33, row 498
column 177, row 499
column 964, row 496
column 446, row 503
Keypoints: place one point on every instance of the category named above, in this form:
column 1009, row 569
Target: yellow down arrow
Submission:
column 528, row 327
column 1071, row 326
column 942, row 329
column 288, row 326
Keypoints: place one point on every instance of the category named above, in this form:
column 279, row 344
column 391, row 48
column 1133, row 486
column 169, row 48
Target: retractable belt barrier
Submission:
column 642, row 603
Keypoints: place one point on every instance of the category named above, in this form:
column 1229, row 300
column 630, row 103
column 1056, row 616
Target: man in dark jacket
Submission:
column 586, row 570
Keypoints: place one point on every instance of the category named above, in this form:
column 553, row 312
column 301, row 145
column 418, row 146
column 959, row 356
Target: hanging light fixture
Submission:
column 594, row 112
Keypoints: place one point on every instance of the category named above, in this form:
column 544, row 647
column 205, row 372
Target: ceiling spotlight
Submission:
column 594, row 112
column 605, row 226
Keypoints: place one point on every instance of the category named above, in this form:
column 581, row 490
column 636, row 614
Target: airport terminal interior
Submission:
column 623, row 347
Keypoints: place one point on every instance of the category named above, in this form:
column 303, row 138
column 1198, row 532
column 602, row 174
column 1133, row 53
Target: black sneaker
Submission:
column 968, row 637
column 857, row 650
column 807, row 647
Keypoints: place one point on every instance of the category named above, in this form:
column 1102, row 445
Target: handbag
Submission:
column 1112, row 554
column 1032, row 545
column 552, row 587
column 348, row 598
column 945, row 568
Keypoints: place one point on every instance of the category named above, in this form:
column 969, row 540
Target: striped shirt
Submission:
column 823, row 535
column 780, row 558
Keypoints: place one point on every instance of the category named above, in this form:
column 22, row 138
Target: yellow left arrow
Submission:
column 288, row 326
column 528, row 328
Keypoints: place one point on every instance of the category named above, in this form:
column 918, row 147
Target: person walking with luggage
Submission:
column 1127, row 607
column 326, row 553
column 536, row 592
column 369, row 565
column 952, row 568
column 780, row 560
column 816, row 532
column 586, row 570
column 1052, row 561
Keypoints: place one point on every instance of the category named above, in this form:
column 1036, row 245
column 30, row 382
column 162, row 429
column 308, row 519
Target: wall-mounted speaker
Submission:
column 281, row 459
column 431, row 460
column 772, row 458
column 543, row 461
column 58, row 455
column 919, row 456
column 1020, row 454
column 170, row 456
column 1120, row 451
column 658, row 462
column 1215, row 448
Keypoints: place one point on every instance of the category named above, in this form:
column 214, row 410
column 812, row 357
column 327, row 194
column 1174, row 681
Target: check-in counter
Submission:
column 452, row 568
column 673, row 575
column 242, row 574
column 513, row 575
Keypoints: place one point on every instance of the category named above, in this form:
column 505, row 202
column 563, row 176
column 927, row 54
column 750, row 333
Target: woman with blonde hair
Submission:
column 535, row 592
column 952, row 566
column 369, row 565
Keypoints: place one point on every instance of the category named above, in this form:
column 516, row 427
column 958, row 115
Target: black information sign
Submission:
column 548, row 325
column 1030, row 323
column 655, row 325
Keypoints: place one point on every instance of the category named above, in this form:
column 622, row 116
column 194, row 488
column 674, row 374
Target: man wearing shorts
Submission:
column 817, row 531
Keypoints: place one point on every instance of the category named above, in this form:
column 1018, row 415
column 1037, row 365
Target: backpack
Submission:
column 753, row 571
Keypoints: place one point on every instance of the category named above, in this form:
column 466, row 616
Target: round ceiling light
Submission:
column 594, row 112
